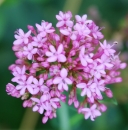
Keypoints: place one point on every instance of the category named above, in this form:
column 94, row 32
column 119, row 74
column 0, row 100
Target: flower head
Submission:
column 74, row 60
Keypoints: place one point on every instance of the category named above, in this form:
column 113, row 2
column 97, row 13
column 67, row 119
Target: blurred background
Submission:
column 14, row 14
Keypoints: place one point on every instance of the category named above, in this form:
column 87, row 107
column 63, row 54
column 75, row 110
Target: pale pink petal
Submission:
column 97, row 113
column 43, row 98
column 30, row 79
column 87, row 115
column 60, row 24
column 57, row 80
column 18, row 87
column 78, row 18
column 22, row 91
column 68, row 81
column 35, row 90
column 48, row 53
column 35, row 81
column 61, row 58
column 16, row 36
column 84, row 17
column 109, row 65
column 34, row 51
column 102, row 72
column 54, row 105
column 60, row 49
column 30, row 47
column 106, row 52
column 35, row 108
column 60, row 86
column 41, row 81
column 65, row 87
column 23, row 70
column 58, row 17
column 52, row 48
column 81, row 85
column 21, row 32
column 97, row 75
column 84, row 91
column 63, row 73
column 93, row 86
column 69, row 23
column 88, row 93
column 41, row 110
column 18, row 70
column 64, row 32
column 35, row 99
column 83, row 61
column 17, row 42
column 85, row 109
column 44, row 88
column 30, row 89
column 55, row 99
column 49, row 26
column 28, row 33
column 93, row 107
column 42, row 34
column 23, row 77
column 89, row 60
column 25, row 40
column 44, row 119
column 39, row 27
column 50, row 30
column 52, row 59
column 29, row 56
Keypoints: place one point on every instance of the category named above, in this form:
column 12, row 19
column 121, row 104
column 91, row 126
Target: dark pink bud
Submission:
column 109, row 93
column 32, row 29
column 44, row 119
column 102, row 107
column 123, row 65
column 76, row 104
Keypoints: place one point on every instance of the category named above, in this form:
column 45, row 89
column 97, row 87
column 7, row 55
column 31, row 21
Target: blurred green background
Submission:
column 14, row 14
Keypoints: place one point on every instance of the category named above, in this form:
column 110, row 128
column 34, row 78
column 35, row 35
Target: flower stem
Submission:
column 64, row 117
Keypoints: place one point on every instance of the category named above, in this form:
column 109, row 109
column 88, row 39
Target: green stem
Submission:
column 64, row 117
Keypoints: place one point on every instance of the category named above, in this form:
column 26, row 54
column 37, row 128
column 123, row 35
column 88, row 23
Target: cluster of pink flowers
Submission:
column 74, row 61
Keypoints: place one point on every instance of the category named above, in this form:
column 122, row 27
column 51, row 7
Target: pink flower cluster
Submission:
column 74, row 61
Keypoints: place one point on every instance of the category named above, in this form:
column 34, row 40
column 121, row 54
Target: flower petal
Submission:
column 52, row 59
column 61, row 58
column 81, row 85
column 60, row 49
column 57, row 80
column 52, row 48
column 68, row 81
column 63, row 73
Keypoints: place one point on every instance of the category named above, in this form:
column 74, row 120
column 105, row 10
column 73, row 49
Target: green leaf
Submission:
column 75, row 119
column 107, row 100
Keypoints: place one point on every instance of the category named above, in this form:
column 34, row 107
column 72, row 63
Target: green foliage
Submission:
column 16, row 14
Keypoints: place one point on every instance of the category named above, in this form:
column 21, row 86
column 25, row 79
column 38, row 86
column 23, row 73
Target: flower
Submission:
column 21, row 37
column 91, row 112
column 29, row 51
column 75, row 60
column 45, row 28
column 62, row 81
column 87, row 89
column 55, row 55
column 64, row 19
column 26, row 84
column 107, row 48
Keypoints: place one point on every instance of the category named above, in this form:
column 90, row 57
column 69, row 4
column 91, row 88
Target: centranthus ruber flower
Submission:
column 22, row 37
column 62, row 81
column 74, row 61
column 55, row 55
column 91, row 112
